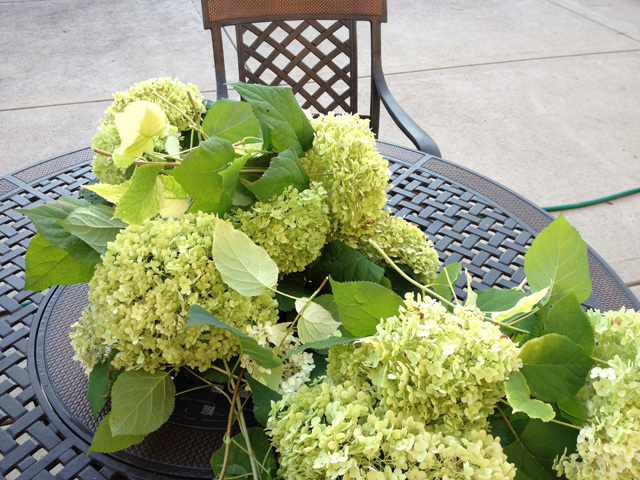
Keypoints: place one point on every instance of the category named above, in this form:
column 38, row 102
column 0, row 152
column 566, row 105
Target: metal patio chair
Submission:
column 311, row 46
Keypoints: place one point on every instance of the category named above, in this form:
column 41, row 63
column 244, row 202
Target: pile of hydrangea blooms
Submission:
column 416, row 397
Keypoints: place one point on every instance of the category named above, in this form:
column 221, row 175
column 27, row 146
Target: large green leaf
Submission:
column 48, row 265
column 141, row 402
column 104, row 441
column 315, row 323
column 284, row 170
column 555, row 368
column 345, row 264
column 111, row 193
column 537, row 447
column 362, row 304
column 262, row 396
column 239, row 463
column 519, row 398
column 47, row 216
column 566, row 317
column 231, row 120
column 558, row 259
column 243, row 265
column 277, row 109
column 94, row 225
column 143, row 198
column 263, row 356
column 201, row 175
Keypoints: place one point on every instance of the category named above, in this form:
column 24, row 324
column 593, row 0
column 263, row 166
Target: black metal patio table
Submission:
column 46, row 424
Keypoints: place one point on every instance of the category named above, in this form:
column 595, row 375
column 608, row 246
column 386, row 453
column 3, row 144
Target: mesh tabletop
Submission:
column 45, row 422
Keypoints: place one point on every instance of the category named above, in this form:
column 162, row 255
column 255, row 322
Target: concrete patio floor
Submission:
column 542, row 96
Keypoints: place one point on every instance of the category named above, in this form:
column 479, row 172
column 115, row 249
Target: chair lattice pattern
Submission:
column 317, row 59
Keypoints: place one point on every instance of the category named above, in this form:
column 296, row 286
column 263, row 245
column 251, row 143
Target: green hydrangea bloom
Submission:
column 609, row 444
column 140, row 296
column 440, row 366
column 344, row 147
column 331, row 431
column 405, row 243
column 292, row 227
column 107, row 138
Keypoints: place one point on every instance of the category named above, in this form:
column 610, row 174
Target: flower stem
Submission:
column 515, row 435
column 227, row 437
column 194, row 125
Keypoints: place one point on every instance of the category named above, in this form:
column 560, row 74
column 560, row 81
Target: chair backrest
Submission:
column 310, row 45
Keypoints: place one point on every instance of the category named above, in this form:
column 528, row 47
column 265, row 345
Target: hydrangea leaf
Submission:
column 524, row 305
column 277, row 109
column 362, row 304
column 94, row 225
column 98, row 389
column 573, row 411
column 231, row 120
column 111, row 193
column 538, row 445
column 172, row 189
column 243, row 265
column 498, row 300
column 239, row 463
column 105, row 442
column 284, row 170
column 558, row 259
column 138, row 123
column 262, row 397
column 172, row 145
column 141, row 402
column 174, row 207
column 46, row 217
column 555, row 368
column 143, row 198
column 315, row 322
column 263, row 356
column 122, row 161
column 519, row 397
column 566, row 317
column 209, row 175
column 446, row 279
column 48, row 265
column 345, row 264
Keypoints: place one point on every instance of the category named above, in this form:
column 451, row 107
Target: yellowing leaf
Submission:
column 137, row 124
column 111, row 193
column 173, row 207
column 524, row 305
column 316, row 323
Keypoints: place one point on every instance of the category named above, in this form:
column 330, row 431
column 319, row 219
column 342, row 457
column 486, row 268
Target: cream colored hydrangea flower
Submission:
column 140, row 296
column 340, row 431
column 405, row 243
column 292, row 227
column 345, row 148
column 440, row 366
column 609, row 444
column 296, row 369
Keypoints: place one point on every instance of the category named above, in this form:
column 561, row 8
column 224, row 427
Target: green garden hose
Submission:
column 595, row 201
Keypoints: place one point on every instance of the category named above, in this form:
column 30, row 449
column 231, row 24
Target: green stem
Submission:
column 515, row 435
column 245, row 432
column 227, row 436
column 194, row 125
column 424, row 289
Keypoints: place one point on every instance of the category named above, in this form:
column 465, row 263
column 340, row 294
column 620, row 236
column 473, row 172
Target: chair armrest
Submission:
column 419, row 137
